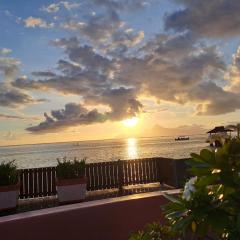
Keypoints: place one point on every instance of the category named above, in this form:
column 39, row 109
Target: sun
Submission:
column 130, row 122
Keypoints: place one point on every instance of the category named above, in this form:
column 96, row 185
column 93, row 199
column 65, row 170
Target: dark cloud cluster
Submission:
column 43, row 74
column 72, row 115
column 117, row 66
column 233, row 75
column 215, row 18
column 90, row 75
column 76, row 114
column 214, row 100
column 177, row 70
column 9, row 95
column 170, row 68
column 105, row 29
column 9, row 67
column 98, row 28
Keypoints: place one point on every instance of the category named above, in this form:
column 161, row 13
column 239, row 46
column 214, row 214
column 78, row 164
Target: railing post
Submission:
column 166, row 168
column 120, row 175
column 159, row 172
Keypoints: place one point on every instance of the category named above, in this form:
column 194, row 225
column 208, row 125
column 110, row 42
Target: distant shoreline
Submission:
column 93, row 140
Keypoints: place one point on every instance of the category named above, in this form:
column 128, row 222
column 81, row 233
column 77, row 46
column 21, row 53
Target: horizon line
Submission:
column 91, row 140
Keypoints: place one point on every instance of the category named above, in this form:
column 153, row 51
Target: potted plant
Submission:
column 9, row 187
column 71, row 180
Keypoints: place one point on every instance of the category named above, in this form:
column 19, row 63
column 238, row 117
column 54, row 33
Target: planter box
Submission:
column 71, row 190
column 9, row 197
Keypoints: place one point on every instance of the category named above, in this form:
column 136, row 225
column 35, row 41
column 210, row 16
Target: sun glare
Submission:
column 130, row 122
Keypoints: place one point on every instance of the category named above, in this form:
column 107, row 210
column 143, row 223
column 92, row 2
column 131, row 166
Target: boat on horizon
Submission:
column 182, row 138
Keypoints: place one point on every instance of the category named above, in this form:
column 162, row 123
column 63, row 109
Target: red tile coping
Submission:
column 9, row 188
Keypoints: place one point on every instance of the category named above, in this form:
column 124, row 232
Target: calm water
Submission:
column 42, row 155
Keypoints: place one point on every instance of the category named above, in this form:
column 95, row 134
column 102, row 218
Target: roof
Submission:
column 219, row 129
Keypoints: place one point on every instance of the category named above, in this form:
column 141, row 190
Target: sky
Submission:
column 77, row 70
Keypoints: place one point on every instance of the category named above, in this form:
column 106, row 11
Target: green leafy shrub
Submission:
column 67, row 169
column 8, row 174
column 210, row 204
column 155, row 231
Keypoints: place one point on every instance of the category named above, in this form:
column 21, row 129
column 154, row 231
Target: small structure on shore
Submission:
column 218, row 136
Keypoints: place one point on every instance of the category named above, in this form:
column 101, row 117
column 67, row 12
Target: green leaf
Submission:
column 196, row 157
column 171, row 198
column 218, row 219
column 67, row 169
column 208, row 156
column 197, row 171
column 208, row 180
column 238, row 222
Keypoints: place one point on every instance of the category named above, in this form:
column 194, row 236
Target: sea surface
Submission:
column 43, row 155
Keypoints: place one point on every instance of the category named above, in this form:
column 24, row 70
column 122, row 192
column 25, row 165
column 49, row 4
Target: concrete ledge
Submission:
column 112, row 219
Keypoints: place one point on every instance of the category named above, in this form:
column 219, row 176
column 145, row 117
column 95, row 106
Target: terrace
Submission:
column 122, row 196
column 114, row 218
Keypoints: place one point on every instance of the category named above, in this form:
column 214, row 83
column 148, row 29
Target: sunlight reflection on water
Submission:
column 132, row 148
column 44, row 155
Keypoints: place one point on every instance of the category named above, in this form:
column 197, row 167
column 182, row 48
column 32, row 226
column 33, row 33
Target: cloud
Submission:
column 107, row 32
column 180, row 71
column 89, row 75
column 172, row 68
column 108, row 63
column 70, row 5
column 32, row 22
column 52, row 8
column 76, row 114
column 5, row 51
column 104, row 28
column 72, row 115
column 208, row 18
column 12, row 97
column 43, row 74
column 55, row 7
column 9, row 68
column 98, row 28
column 215, row 100
column 13, row 117
column 233, row 74
column 9, row 95
column 131, row 5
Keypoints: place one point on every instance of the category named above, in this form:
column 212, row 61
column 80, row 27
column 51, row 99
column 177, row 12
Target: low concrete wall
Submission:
column 109, row 219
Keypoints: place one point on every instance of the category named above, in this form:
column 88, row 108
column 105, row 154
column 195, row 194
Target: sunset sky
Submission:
column 97, row 69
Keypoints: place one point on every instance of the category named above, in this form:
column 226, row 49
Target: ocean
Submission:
column 44, row 155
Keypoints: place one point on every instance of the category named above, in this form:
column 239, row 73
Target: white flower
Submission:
column 189, row 188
